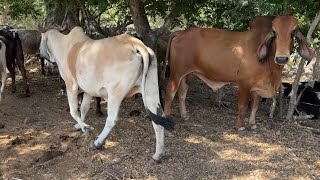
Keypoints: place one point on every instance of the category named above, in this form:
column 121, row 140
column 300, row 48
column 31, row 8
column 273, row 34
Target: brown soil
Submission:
column 38, row 140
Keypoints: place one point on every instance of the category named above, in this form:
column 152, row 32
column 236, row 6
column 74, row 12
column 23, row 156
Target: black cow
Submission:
column 14, row 55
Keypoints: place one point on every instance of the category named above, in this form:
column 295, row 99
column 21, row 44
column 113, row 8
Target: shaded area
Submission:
column 38, row 140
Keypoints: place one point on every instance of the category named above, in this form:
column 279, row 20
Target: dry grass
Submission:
column 38, row 141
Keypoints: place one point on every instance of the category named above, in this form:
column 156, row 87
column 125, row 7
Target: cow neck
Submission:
column 58, row 46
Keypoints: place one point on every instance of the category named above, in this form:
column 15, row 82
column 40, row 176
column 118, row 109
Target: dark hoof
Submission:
column 99, row 113
column 99, row 147
column 243, row 132
column 154, row 162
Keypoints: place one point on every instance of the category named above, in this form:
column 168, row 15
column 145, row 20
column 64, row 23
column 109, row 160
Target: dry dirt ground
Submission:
column 38, row 140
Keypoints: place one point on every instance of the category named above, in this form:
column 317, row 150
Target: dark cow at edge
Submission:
column 14, row 55
column 253, row 59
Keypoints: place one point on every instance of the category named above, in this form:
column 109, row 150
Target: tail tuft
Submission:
column 167, row 123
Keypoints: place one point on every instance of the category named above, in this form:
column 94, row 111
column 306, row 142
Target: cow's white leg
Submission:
column 84, row 108
column 254, row 107
column 3, row 84
column 159, row 131
column 182, row 93
column 114, row 103
column 273, row 106
column 72, row 94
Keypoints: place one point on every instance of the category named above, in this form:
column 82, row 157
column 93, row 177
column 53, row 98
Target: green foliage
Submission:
column 230, row 14
column 23, row 8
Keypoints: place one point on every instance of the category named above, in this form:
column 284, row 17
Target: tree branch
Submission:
column 293, row 100
column 167, row 23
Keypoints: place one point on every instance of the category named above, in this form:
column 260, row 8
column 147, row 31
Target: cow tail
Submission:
column 150, row 89
column 166, row 61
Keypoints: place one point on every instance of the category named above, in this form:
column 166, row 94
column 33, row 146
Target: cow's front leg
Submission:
column 243, row 98
column 170, row 93
column 255, row 100
column 98, row 107
column 84, row 108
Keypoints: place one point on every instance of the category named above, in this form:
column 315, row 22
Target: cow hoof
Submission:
column 253, row 127
column 242, row 131
column 97, row 146
column 99, row 113
column 154, row 162
column 77, row 127
column 186, row 118
column 87, row 129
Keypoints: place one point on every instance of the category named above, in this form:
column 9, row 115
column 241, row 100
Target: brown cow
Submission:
column 253, row 59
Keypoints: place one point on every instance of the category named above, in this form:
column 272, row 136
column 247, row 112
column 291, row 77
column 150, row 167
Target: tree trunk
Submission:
column 316, row 67
column 293, row 100
column 141, row 24
column 60, row 14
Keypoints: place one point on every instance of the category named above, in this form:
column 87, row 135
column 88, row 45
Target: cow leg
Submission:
column 114, row 103
column 255, row 100
column 84, row 108
column 98, row 107
column 42, row 65
column 243, row 97
column 72, row 93
column 3, row 83
column 13, row 78
column 273, row 106
column 182, row 93
column 170, row 93
column 20, row 64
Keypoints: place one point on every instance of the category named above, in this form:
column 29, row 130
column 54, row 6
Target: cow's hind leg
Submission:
column 255, row 100
column 182, row 93
column 72, row 93
column 20, row 64
column 13, row 77
column 114, row 103
column 171, row 90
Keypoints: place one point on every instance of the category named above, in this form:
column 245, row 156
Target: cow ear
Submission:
column 303, row 49
column 265, row 46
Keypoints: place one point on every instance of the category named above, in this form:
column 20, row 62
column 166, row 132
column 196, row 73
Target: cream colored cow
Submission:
column 112, row 68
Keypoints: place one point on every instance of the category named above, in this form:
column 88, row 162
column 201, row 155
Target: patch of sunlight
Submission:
column 195, row 139
column 257, row 174
column 111, row 144
column 10, row 159
column 266, row 148
column 26, row 150
column 45, row 134
column 131, row 120
column 34, row 70
column 5, row 139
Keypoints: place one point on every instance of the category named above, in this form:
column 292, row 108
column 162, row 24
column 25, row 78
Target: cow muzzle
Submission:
column 281, row 60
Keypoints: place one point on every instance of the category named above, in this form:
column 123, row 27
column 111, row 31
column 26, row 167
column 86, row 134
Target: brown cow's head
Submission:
column 284, row 28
